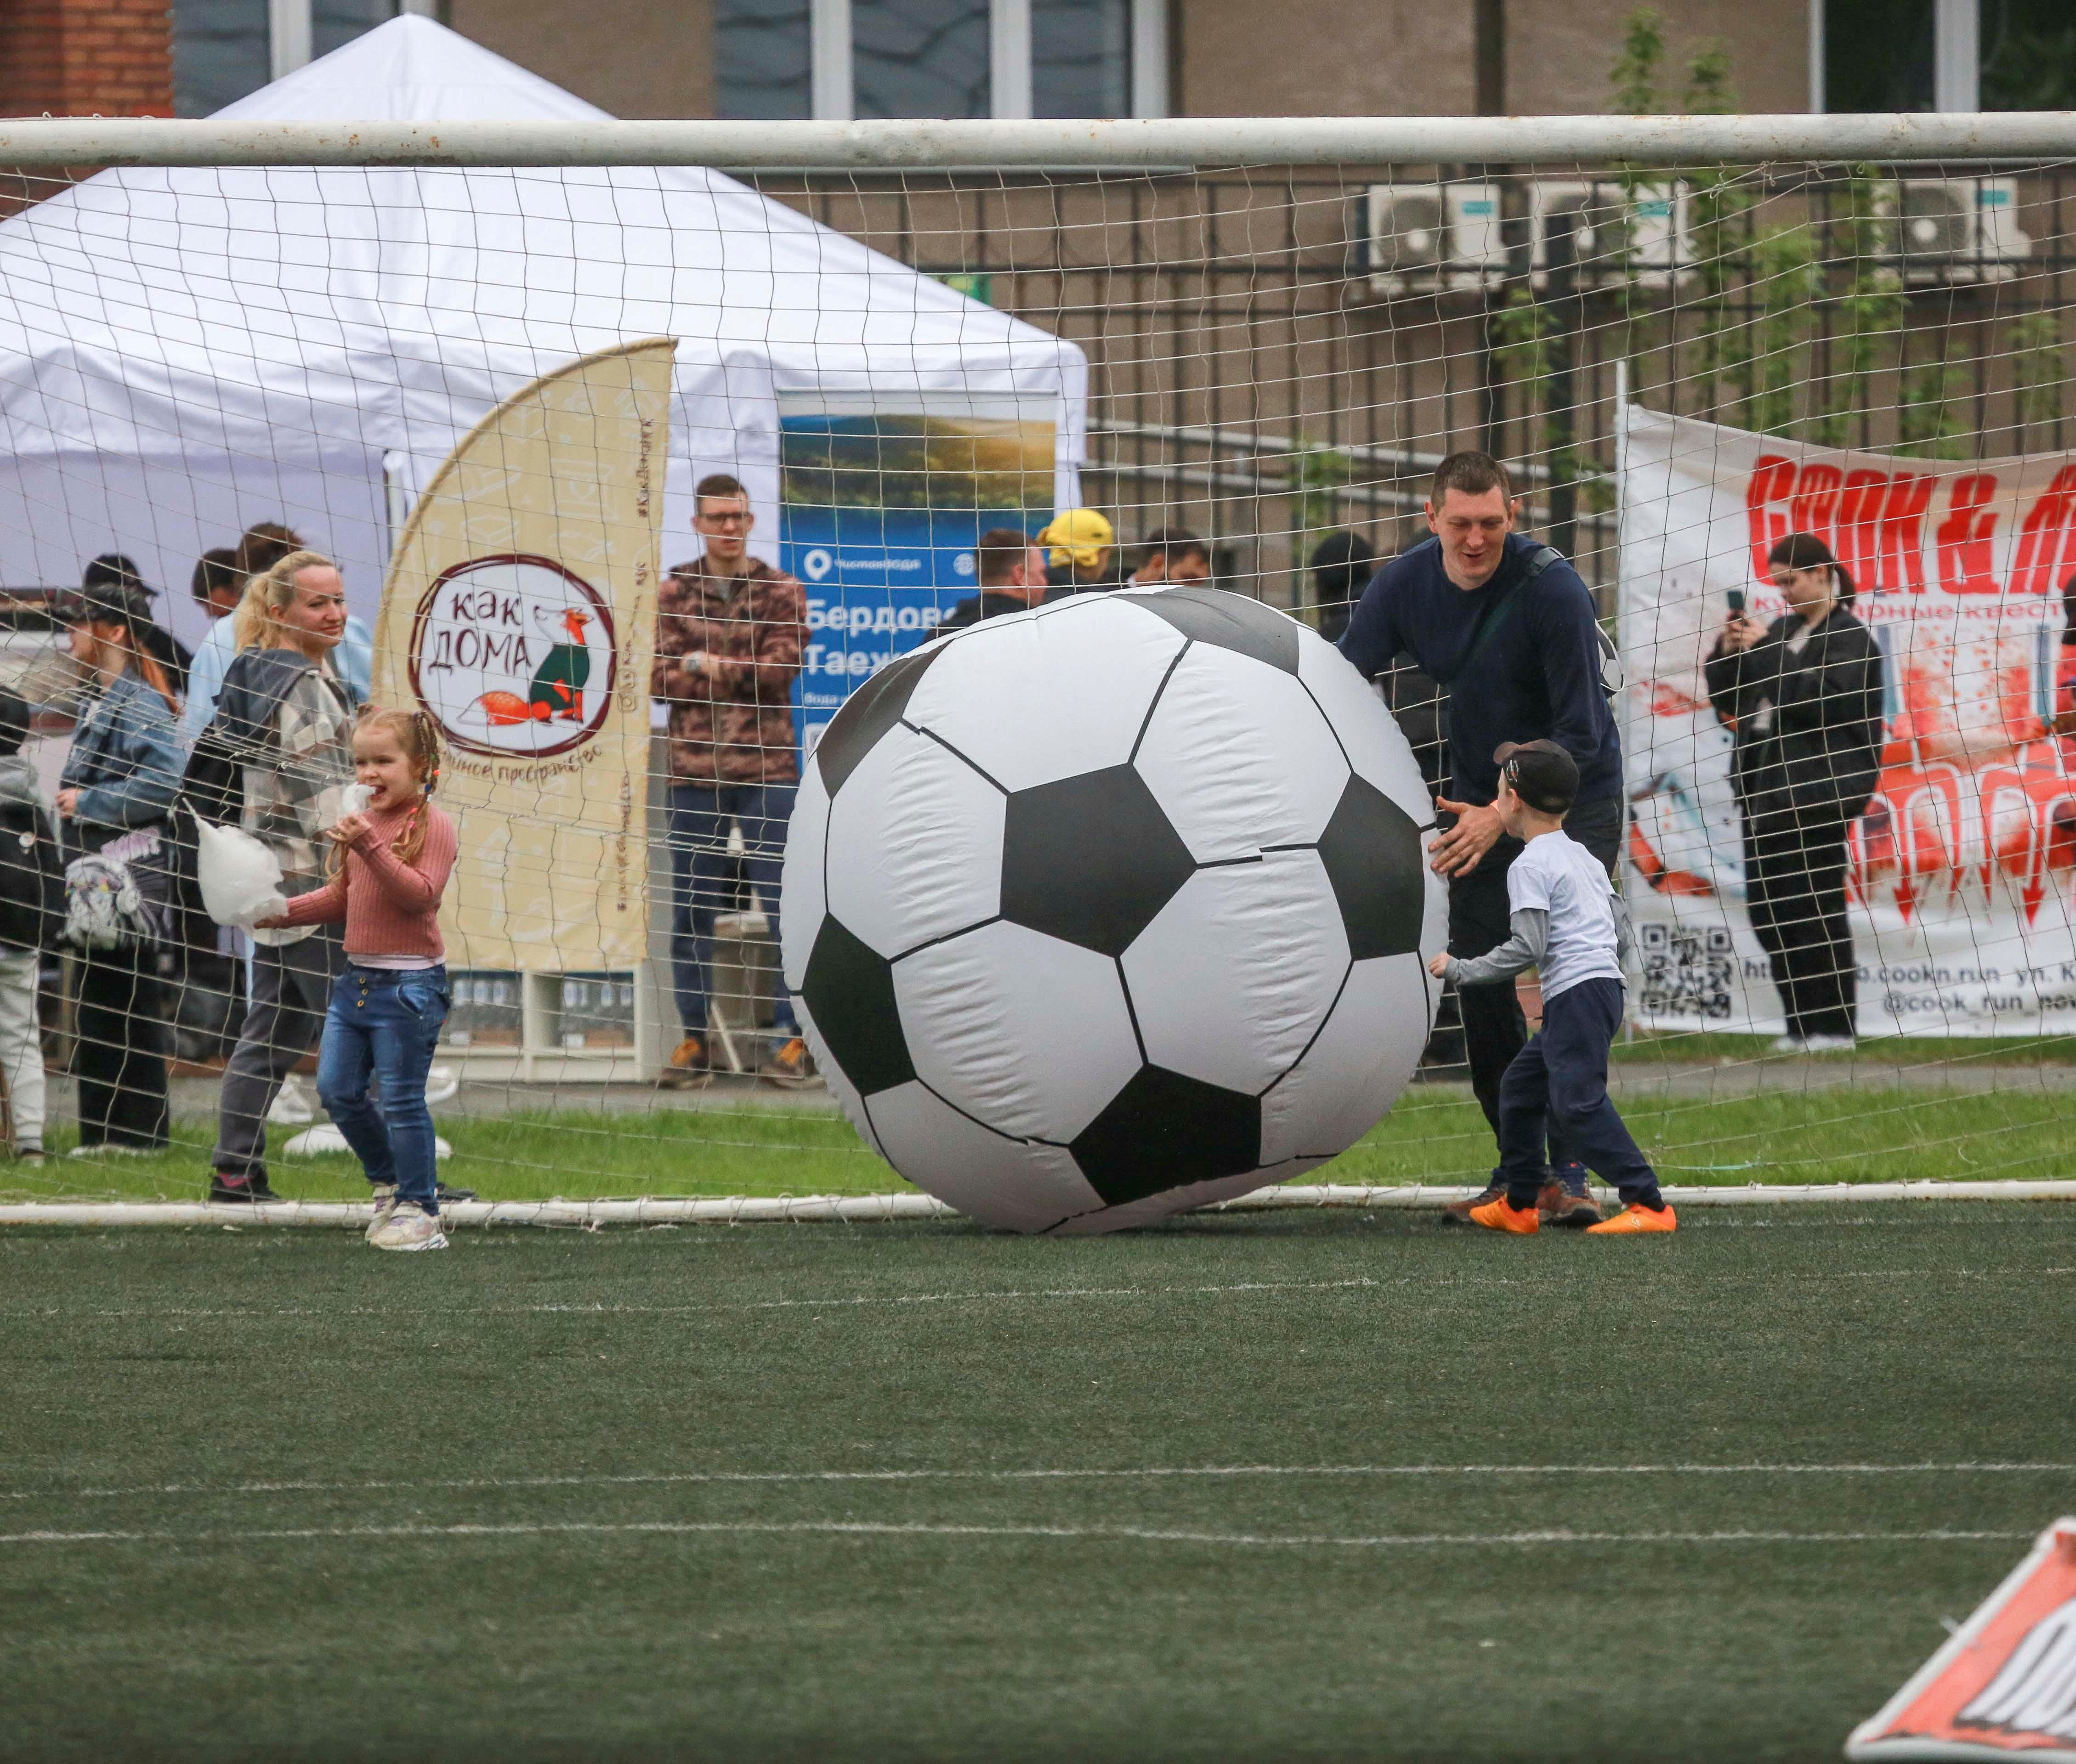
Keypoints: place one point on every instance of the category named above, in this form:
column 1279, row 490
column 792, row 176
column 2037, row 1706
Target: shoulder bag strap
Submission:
column 1494, row 618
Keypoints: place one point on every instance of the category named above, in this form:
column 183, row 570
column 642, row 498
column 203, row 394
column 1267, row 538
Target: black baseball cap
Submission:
column 1542, row 774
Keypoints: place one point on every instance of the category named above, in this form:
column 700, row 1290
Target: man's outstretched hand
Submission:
column 1477, row 830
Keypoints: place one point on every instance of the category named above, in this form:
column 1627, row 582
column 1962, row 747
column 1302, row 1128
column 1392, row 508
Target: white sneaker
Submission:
column 88, row 1151
column 1830, row 1044
column 1789, row 1044
column 385, row 1204
column 292, row 1108
column 408, row 1228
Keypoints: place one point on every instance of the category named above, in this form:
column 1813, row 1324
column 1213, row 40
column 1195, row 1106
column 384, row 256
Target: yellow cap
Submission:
column 1078, row 536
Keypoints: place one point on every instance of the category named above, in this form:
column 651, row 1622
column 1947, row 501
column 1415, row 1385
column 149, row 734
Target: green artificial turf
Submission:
column 583, row 1496
column 1436, row 1135
column 1685, row 1047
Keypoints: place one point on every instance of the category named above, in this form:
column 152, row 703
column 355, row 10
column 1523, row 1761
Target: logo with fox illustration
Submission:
column 514, row 655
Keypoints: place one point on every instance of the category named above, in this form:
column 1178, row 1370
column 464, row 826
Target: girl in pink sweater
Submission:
column 387, row 1007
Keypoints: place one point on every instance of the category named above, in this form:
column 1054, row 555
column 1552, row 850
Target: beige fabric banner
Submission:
column 520, row 610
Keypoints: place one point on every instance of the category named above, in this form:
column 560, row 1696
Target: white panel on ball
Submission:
column 1158, row 1207
column 1434, row 919
column 1376, row 748
column 997, row 1181
column 1029, row 1034
column 933, row 825
column 1239, row 756
column 1236, row 973
column 1350, row 1077
column 1030, row 699
column 801, row 899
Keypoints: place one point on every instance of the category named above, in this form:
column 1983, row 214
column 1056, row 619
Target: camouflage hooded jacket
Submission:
column 734, row 722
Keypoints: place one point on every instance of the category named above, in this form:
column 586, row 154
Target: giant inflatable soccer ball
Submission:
column 1113, row 908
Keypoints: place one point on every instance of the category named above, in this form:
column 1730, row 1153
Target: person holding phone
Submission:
column 1803, row 701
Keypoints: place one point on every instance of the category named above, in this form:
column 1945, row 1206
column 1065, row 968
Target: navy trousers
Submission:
column 702, row 876
column 1558, row 1085
column 1479, row 923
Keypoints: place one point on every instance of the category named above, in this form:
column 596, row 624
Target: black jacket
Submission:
column 1519, row 658
column 1808, row 727
column 988, row 603
column 32, row 904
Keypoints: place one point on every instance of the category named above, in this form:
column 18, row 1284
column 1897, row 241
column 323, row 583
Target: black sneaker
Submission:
column 443, row 1193
column 238, row 1190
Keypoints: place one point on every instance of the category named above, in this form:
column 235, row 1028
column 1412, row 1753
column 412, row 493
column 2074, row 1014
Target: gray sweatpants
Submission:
column 291, row 991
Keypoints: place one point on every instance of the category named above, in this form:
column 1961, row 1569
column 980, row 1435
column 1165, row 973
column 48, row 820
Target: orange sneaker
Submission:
column 691, row 1065
column 1498, row 1216
column 1634, row 1220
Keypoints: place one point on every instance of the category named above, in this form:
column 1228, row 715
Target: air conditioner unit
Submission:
column 1957, row 229
column 1425, row 237
column 1618, row 235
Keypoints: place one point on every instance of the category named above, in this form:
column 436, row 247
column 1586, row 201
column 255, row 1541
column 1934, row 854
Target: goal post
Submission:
column 1243, row 344
column 1151, row 144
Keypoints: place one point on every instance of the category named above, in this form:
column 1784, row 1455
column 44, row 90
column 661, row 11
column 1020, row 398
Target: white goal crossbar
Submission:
column 1167, row 143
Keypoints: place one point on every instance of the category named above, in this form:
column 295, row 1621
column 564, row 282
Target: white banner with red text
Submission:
column 1962, row 883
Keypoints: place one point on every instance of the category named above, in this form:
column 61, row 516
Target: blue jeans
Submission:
column 702, row 876
column 385, row 1024
column 1558, row 1085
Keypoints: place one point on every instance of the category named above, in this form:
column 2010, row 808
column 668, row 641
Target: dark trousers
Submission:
column 291, row 988
column 1558, row 1087
column 1494, row 1029
column 703, row 879
column 121, row 1061
column 1795, row 891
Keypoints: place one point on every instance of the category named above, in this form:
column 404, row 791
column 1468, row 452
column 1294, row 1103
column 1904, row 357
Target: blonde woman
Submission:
column 115, row 800
column 284, row 719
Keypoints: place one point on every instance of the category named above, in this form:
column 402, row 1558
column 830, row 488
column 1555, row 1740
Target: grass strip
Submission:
column 1436, row 1135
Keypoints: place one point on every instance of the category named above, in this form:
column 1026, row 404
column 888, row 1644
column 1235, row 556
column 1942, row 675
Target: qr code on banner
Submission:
column 1687, row 973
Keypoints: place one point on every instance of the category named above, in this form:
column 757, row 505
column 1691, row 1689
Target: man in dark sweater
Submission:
column 1506, row 627
column 1012, row 576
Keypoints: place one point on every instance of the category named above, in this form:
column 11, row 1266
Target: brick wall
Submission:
column 85, row 58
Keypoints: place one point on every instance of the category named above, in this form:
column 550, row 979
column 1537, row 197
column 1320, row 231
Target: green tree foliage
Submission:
column 1635, row 75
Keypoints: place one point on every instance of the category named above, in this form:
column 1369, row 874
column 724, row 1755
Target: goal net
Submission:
column 1848, row 843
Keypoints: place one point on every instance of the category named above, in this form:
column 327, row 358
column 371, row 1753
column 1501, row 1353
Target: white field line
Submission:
column 1556, row 1276
column 697, row 1478
column 742, row 1210
column 862, row 1529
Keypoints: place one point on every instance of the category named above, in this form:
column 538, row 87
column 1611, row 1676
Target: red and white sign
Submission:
column 2004, row 1686
column 1963, row 879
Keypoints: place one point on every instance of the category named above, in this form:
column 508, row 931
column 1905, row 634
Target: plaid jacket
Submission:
column 733, row 724
column 291, row 799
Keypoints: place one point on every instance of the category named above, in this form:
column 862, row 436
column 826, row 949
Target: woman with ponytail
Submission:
column 389, row 867
column 1803, row 699
column 278, row 757
column 114, row 799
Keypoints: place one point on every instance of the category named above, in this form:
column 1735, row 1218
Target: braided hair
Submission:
column 418, row 735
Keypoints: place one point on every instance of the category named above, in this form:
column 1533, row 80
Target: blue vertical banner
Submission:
column 880, row 508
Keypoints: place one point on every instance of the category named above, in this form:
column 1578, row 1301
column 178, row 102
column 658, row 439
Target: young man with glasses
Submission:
column 729, row 633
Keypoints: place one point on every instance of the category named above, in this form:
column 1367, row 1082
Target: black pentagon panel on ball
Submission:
column 1090, row 859
column 867, row 715
column 1229, row 621
column 1163, row 1131
column 1371, row 848
column 850, row 989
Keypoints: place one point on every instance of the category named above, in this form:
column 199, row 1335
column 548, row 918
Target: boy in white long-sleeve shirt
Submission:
column 1568, row 922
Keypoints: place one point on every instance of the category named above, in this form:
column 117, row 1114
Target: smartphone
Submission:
column 1736, row 597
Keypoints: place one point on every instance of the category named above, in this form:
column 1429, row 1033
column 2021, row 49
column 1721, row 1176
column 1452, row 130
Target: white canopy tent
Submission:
column 184, row 352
